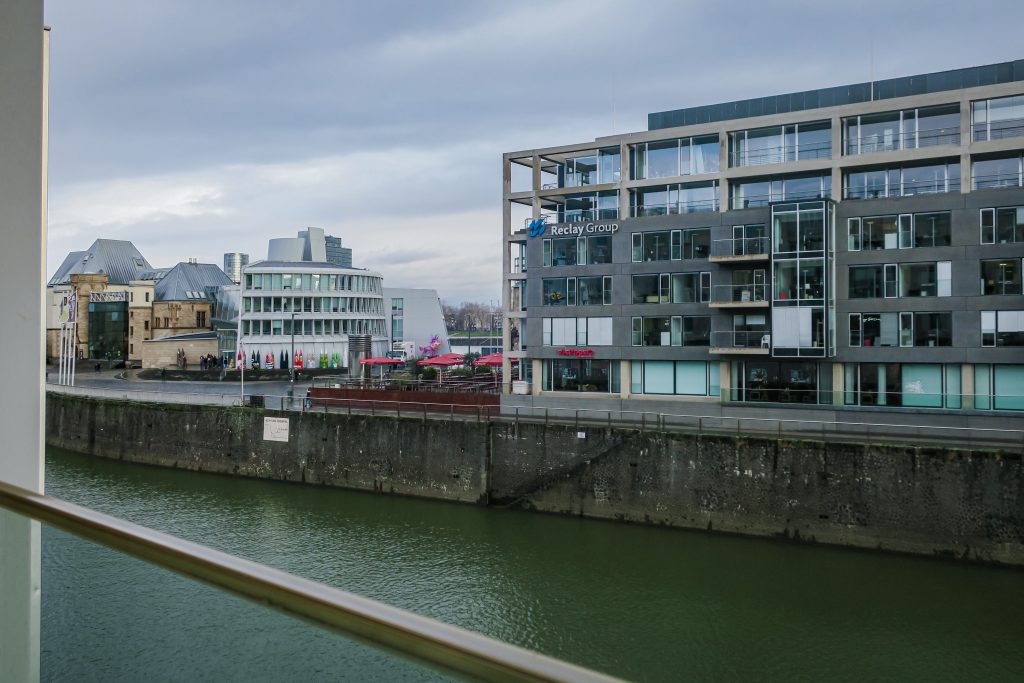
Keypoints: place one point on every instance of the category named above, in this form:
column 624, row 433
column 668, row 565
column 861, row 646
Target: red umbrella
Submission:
column 381, row 361
column 447, row 360
column 492, row 360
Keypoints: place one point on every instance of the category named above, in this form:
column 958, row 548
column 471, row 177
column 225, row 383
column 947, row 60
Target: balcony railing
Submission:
column 898, row 141
column 998, row 130
column 741, row 340
column 782, row 154
column 746, row 246
column 389, row 628
column 996, row 181
column 909, row 189
column 757, row 200
column 728, row 294
column 675, row 208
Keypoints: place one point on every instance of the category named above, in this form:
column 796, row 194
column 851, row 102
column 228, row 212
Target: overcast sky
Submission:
column 198, row 127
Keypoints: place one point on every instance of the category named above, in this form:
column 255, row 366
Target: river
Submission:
column 638, row 602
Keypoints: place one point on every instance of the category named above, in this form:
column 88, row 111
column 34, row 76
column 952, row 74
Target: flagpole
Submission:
column 241, row 398
column 74, row 349
column 60, row 355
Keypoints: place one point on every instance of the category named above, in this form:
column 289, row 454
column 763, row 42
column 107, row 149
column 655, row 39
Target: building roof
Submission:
column 152, row 274
column 188, row 336
column 190, row 281
column 940, row 81
column 119, row 260
column 304, row 265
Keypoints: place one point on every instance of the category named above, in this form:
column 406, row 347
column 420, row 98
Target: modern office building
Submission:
column 297, row 295
column 415, row 321
column 852, row 246
column 337, row 254
column 234, row 262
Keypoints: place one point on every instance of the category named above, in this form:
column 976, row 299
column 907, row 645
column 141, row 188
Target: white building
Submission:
column 415, row 319
column 296, row 304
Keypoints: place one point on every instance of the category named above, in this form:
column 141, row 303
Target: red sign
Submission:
column 577, row 353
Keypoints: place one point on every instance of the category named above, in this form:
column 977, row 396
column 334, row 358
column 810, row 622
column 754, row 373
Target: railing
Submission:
column 996, row 180
column 909, row 189
column 385, row 627
column 738, row 293
column 741, row 340
column 738, row 425
column 898, row 141
column 519, row 264
column 745, row 246
column 758, row 200
column 782, row 154
column 675, row 208
column 1007, row 128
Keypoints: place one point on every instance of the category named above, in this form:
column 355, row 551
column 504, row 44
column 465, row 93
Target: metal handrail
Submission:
column 410, row 635
column 741, row 246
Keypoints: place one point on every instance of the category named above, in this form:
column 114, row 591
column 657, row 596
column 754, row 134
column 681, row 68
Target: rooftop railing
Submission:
column 409, row 635
column 741, row 339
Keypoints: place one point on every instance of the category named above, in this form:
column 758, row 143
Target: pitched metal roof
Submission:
column 119, row 260
column 188, row 336
column 190, row 281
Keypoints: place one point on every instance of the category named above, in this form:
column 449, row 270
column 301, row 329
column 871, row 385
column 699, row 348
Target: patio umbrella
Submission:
column 381, row 362
column 445, row 361
column 491, row 360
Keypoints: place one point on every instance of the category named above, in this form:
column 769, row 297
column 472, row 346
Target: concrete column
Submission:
column 506, row 269
column 838, row 381
column 967, row 385
column 625, row 378
column 23, row 46
column 538, row 376
column 724, row 381
column 624, row 175
column 965, row 142
column 723, row 165
column 837, row 154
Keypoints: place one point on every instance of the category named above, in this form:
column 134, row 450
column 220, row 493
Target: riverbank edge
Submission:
column 952, row 503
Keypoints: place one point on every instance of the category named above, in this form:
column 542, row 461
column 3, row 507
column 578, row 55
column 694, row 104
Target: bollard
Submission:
column 398, row 407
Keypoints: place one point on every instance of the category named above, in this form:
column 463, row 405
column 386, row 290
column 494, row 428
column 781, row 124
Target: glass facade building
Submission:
column 859, row 247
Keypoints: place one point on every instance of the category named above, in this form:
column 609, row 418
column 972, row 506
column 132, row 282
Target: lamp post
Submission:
column 291, row 358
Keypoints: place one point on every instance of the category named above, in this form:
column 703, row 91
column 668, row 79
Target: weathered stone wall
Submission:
column 957, row 503
column 435, row 459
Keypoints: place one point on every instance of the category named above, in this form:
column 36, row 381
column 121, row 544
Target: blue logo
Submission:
column 538, row 226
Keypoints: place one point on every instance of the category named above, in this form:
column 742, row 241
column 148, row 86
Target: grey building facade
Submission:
column 848, row 247
column 337, row 254
column 234, row 263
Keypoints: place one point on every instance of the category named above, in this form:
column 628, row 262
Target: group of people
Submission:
column 210, row 362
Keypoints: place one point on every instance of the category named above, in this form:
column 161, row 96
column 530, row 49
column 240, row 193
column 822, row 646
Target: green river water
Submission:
column 638, row 602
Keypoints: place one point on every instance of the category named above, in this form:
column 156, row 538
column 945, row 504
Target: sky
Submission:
column 197, row 127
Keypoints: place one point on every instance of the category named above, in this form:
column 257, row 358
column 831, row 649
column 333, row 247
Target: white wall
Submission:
column 22, row 270
column 422, row 316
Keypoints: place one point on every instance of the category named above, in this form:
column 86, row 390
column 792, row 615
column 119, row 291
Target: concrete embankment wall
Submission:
column 957, row 503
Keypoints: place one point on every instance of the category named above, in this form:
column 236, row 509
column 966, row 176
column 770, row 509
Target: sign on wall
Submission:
column 108, row 297
column 577, row 353
column 275, row 429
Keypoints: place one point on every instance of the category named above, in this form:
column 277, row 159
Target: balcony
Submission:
column 892, row 142
column 739, row 296
column 740, row 250
column 741, row 343
column 675, row 208
column 781, row 154
column 995, row 181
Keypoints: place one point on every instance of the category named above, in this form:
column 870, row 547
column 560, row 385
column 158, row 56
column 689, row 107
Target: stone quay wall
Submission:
column 966, row 504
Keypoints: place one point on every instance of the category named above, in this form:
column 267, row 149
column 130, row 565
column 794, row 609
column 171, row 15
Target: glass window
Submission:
column 922, row 385
column 998, row 118
column 581, row 375
column 646, row 289
column 696, row 330
column 696, row 243
column 592, row 290
column 932, row 229
column 555, row 292
column 996, row 173
column 652, row 246
column 1008, row 387
column 1001, row 276
column 865, row 282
